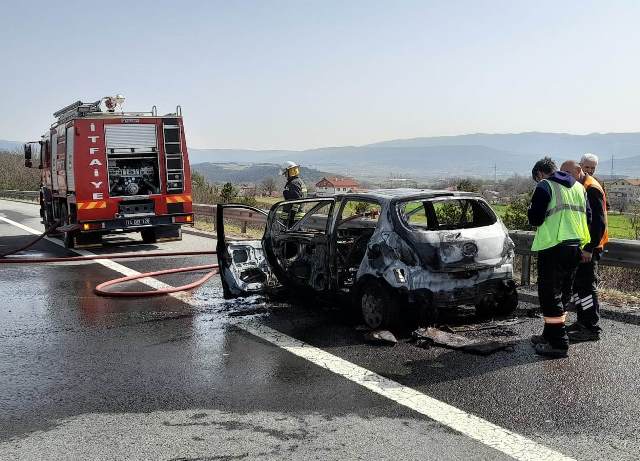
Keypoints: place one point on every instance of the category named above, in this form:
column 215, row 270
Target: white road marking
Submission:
column 474, row 427
column 151, row 282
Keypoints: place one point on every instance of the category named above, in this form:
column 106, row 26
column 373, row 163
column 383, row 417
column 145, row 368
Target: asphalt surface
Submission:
column 83, row 377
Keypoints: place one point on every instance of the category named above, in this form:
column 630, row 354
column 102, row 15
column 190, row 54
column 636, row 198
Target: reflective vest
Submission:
column 566, row 217
column 591, row 182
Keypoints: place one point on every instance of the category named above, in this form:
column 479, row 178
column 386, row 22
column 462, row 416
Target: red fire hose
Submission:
column 100, row 289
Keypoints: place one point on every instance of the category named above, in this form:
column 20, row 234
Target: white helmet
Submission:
column 288, row 165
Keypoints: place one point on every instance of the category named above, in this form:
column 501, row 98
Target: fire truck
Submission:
column 104, row 170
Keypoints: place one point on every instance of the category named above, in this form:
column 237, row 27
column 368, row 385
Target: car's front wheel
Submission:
column 379, row 306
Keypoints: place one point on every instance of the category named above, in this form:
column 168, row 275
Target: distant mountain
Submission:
column 238, row 173
column 472, row 154
column 10, row 145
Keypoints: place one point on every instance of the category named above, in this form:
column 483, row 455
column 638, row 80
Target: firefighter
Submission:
column 585, row 286
column 560, row 211
column 295, row 187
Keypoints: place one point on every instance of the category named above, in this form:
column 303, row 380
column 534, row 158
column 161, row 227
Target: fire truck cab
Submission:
column 106, row 171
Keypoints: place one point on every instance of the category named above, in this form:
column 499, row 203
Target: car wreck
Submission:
column 387, row 251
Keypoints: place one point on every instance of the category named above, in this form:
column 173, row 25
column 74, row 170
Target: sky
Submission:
column 303, row 74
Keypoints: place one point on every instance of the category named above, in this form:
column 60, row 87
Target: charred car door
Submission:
column 244, row 269
column 296, row 242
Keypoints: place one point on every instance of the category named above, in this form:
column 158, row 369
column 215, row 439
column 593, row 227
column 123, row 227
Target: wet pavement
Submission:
column 84, row 377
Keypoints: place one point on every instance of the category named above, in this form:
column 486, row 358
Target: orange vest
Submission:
column 591, row 182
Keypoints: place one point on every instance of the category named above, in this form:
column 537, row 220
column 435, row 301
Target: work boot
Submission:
column 538, row 339
column 547, row 349
column 578, row 332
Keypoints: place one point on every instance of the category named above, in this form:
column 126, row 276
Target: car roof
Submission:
column 408, row 194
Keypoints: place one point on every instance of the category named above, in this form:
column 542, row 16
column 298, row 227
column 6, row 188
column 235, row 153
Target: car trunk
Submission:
column 454, row 234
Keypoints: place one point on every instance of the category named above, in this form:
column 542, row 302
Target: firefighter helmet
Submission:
column 290, row 169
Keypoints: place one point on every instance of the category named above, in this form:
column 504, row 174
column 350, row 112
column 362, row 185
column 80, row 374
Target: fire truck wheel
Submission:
column 68, row 238
column 148, row 235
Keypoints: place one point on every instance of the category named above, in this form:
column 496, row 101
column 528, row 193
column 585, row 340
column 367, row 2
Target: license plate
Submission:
column 137, row 222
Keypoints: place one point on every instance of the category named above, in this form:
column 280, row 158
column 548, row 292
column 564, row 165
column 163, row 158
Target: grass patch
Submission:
column 619, row 226
column 232, row 230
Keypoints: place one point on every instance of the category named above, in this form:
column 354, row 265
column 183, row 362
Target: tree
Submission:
column 228, row 193
column 634, row 220
column 202, row 191
column 468, row 185
column 269, row 186
column 515, row 216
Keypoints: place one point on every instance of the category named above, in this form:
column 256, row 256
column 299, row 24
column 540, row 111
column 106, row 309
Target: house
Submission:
column 621, row 192
column 247, row 190
column 335, row 185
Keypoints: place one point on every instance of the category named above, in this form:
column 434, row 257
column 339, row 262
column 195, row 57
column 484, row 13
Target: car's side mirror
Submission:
column 27, row 156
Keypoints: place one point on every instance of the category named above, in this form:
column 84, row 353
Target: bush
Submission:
column 515, row 215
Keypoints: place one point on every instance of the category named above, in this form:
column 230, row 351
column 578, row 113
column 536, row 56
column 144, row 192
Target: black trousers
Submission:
column 585, row 293
column 557, row 268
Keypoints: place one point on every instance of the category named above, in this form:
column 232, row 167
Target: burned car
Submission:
column 384, row 249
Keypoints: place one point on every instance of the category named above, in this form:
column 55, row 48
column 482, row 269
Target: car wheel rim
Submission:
column 371, row 311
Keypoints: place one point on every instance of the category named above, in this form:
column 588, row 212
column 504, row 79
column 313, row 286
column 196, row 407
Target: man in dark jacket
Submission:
column 585, row 286
column 560, row 211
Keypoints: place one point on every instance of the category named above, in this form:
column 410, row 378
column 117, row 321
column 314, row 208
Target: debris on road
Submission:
column 484, row 325
column 246, row 312
column 428, row 336
column 381, row 337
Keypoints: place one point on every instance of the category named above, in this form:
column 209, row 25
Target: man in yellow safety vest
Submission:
column 560, row 210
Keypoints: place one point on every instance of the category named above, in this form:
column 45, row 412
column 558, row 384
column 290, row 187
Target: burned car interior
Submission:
column 356, row 225
column 435, row 248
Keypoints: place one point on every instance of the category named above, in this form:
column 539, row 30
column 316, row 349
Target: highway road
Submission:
column 186, row 378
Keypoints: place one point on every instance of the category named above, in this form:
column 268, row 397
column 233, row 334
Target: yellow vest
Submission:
column 566, row 217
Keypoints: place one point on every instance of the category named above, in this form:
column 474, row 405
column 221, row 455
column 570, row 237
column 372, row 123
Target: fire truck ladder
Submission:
column 174, row 159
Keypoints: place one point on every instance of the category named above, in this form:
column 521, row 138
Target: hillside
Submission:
column 238, row 173
column 428, row 157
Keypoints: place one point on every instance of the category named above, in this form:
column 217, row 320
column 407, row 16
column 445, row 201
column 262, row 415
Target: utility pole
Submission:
column 612, row 167
column 495, row 174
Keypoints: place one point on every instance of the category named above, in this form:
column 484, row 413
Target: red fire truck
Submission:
column 104, row 171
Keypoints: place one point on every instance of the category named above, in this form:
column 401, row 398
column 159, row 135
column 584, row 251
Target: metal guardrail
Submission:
column 618, row 252
column 20, row 194
column 245, row 217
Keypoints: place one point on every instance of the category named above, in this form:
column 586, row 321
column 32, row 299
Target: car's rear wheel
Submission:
column 499, row 304
column 379, row 306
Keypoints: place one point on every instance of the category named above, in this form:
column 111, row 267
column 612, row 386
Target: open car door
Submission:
column 244, row 270
column 297, row 242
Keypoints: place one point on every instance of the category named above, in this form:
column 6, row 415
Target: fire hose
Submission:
column 100, row 290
